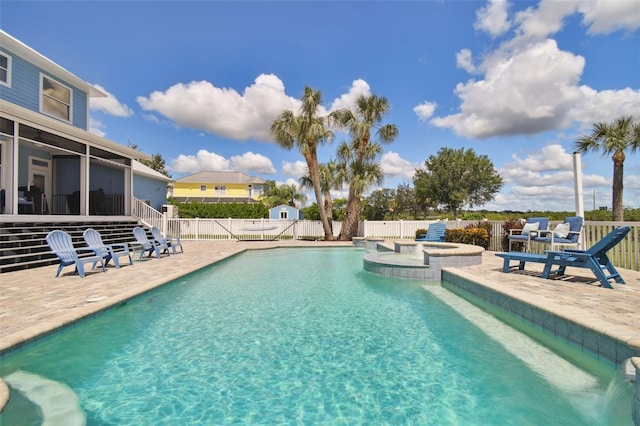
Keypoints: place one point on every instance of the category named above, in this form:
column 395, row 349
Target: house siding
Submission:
column 193, row 190
column 154, row 190
column 25, row 90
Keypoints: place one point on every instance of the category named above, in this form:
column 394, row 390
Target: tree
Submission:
column 613, row 139
column 306, row 131
column 456, row 178
column 360, row 156
column 287, row 194
column 331, row 177
column 156, row 163
column 379, row 204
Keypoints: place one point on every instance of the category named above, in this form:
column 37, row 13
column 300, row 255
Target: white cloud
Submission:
column 605, row 16
column 296, row 169
column 96, row 127
column 252, row 163
column 223, row 111
column 110, row 104
column 394, row 166
column 464, row 60
column 550, row 157
column 493, row 18
column 202, row 161
column 528, row 84
column 347, row 101
column 425, row 110
column 528, row 92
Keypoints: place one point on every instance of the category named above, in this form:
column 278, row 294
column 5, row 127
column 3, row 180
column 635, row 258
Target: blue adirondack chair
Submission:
column 149, row 244
column 594, row 258
column 107, row 251
column 170, row 242
column 572, row 237
column 435, row 232
column 61, row 245
column 532, row 227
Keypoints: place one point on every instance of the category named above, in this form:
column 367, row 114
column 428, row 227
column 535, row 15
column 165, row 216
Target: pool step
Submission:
column 58, row 403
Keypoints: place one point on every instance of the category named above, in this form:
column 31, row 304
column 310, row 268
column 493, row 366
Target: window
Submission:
column 56, row 99
column 5, row 70
column 203, row 188
column 220, row 189
column 284, row 214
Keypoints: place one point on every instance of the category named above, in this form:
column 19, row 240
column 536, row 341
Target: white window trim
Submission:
column 8, row 82
column 220, row 189
column 42, row 77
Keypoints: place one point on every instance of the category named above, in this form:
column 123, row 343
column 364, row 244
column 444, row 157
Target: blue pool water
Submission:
column 302, row 337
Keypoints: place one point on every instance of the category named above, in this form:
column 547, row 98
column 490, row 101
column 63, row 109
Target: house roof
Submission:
column 19, row 48
column 220, row 177
column 143, row 170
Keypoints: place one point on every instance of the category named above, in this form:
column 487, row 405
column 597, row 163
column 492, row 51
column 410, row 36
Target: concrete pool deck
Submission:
column 33, row 302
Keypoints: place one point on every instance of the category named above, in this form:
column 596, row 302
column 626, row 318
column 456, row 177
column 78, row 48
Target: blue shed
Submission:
column 285, row 212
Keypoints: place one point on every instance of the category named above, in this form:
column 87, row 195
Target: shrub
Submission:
column 469, row 235
column 420, row 233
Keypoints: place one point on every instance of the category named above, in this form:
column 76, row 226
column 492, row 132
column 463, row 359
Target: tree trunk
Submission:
column 312, row 163
column 617, row 188
column 351, row 219
column 328, row 208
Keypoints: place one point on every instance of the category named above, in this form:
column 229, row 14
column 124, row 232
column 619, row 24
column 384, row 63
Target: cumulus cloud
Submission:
column 224, row 111
column 358, row 88
column 96, row 127
column 425, row 110
column 395, row 166
column 464, row 60
column 252, row 163
column 296, row 169
column 493, row 18
column 109, row 104
column 529, row 85
column 201, row 162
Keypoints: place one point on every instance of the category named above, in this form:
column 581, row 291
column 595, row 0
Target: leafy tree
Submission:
column 613, row 139
column 156, row 163
column 379, row 204
column 306, row 131
column 406, row 204
column 276, row 195
column 456, row 178
column 360, row 156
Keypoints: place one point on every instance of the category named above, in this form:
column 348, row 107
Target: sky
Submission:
column 200, row 82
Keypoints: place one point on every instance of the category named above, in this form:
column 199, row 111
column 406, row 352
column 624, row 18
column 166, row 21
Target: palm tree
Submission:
column 361, row 155
column 331, row 177
column 282, row 194
column 613, row 139
column 306, row 131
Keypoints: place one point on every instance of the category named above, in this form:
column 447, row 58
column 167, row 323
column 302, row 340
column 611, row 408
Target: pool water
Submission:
column 302, row 336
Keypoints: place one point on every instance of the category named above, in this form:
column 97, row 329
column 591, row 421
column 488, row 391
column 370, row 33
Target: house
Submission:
column 50, row 164
column 219, row 187
column 285, row 212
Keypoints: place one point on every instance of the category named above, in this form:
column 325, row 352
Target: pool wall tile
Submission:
column 597, row 344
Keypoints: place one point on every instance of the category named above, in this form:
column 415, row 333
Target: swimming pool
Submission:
column 303, row 336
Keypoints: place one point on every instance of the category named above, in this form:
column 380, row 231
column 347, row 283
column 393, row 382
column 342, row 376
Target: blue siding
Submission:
column 292, row 212
column 25, row 90
column 146, row 188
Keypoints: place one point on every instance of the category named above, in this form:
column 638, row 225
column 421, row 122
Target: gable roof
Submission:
column 221, row 177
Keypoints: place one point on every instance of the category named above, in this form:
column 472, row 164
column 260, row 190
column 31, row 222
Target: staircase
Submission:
column 23, row 245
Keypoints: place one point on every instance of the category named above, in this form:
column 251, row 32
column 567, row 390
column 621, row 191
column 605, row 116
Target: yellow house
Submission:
column 218, row 187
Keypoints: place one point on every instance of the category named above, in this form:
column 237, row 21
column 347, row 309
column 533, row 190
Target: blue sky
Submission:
column 201, row 81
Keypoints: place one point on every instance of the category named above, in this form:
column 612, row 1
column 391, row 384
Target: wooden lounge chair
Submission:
column 435, row 232
column 595, row 258
column 107, row 251
column 149, row 245
column 61, row 245
column 170, row 242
